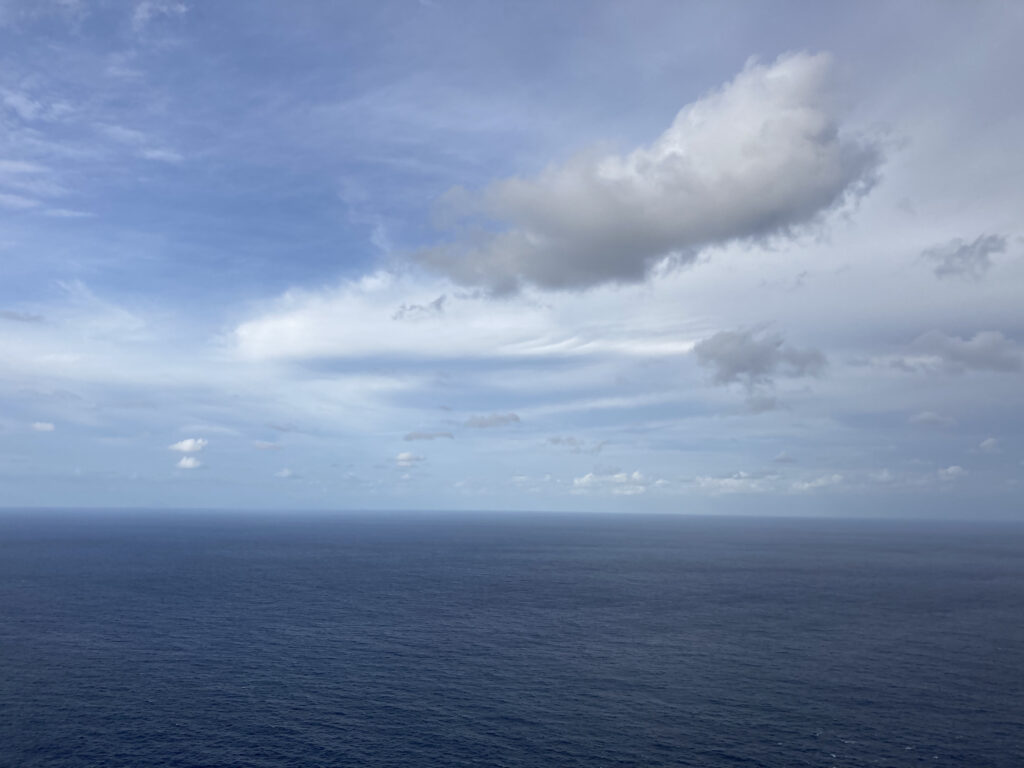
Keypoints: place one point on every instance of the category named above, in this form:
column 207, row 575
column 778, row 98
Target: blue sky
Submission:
column 680, row 257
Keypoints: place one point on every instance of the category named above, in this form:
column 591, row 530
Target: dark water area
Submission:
column 517, row 640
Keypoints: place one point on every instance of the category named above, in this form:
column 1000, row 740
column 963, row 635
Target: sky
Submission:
column 716, row 258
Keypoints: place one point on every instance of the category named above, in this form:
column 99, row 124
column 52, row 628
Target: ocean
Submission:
column 160, row 639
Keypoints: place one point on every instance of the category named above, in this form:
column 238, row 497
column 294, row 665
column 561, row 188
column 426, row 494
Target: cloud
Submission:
column 265, row 445
column 617, row 483
column 756, row 158
column 783, row 457
column 958, row 258
column 931, row 419
column 23, row 106
column 989, row 445
column 576, row 445
column 19, row 316
column 407, row 459
column 355, row 319
column 189, row 445
column 952, row 473
column 140, row 142
column 985, row 351
column 428, row 436
column 68, row 213
column 43, row 426
column 148, row 10
column 419, row 311
column 739, row 482
column 17, row 202
column 162, row 155
column 284, row 474
column 753, row 361
column 825, row 481
column 491, row 420
column 189, row 462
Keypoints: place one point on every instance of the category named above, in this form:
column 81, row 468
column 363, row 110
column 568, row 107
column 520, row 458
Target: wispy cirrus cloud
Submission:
column 491, row 420
column 417, row 435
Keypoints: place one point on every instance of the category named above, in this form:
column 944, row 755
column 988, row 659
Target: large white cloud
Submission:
column 755, row 158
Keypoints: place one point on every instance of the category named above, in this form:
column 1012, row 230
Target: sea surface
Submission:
column 155, row 639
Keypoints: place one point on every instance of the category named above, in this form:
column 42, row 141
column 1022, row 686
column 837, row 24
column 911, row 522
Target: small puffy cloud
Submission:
column 43, row 426
column 958, row 258
column 284, row 474
column 756, row 158
column 989, row 445
column 784, row 457
column 265, row 445
column 407, row 459
column 189, row 462
column 952, row 473
column 753, row 360
column 412, row 436
column 931, row 419
column 985, row 351
column 491, row 420
column 189, row 445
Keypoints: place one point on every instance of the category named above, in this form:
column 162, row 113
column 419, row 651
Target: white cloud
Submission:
column 43, row 426
column 162, row 155
column 407, row 459
column 148, row 10
column 739, row 482
column 356, row 320
column 189, row 445
column 22, row 105
column 616, row 483
column 952, row 473
column 989, row 445
column 189, row 462
column 17, row 202
column 265, row 445
column 284, row 473
column 756, row 158
column 825, row 481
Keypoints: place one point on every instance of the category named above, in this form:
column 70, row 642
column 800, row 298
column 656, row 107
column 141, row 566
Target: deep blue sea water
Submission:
column 511, row 640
